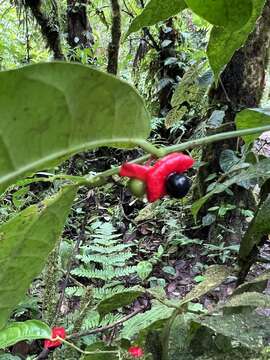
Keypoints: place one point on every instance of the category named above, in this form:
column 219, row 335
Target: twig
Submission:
column 107, row 327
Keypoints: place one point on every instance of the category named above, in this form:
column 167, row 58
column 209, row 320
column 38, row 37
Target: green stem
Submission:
column 101, row 178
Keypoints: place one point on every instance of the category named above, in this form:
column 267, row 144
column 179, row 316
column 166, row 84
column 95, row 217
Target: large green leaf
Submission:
column 257, row 284
column 259, row 226
column 117, row 301
column 249, row 299
column 25, row 243
column 27, row 330
column 251, row 330
column 149, row 319
column 250, row 118
column 50, row 111
column 155, row 11
column 224, row 42
column 99, row 351
column 214, row 276
column 231, row 14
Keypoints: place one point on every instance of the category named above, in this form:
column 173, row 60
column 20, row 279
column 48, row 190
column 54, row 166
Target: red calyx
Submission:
column 135, row 351
column 155, row 176
column 56, row 331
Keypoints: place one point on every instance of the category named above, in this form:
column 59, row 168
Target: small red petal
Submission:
column 135, row 351
column 134, row 171
column 56, row 331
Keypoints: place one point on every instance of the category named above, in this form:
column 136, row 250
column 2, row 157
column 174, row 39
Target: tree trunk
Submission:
column 79, row 28
column 50, row 27
column 241, row 86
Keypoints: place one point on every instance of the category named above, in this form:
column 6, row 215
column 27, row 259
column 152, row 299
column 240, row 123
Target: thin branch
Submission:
column 107, row 327
column 114, row 45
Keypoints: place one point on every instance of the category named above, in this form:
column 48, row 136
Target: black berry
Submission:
column 177, row 185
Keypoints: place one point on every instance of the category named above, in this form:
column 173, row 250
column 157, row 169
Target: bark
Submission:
column 79, row 28
column 114, row 45
column 50, row 27
column 241, row 86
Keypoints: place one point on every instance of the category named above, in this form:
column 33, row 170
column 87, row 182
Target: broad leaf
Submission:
column 224, row 42
column 25, row 243
column 149, row 319
column 27, row 330
column 250, row 118
column 251, row 330
column 155, row 11
column 144, row 269
column 231, row 14
column 249, row 299
column 99, row 351
column 213, row 277
column 257, row 284
column 259, row 226
column 53, row 110
column 117, row 301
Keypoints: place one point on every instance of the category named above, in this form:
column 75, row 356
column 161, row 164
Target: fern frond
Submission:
column 107, row 273
column 118, row 260
column 108, row 250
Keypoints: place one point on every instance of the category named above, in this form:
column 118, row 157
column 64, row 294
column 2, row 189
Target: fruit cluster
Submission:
column 165, row 177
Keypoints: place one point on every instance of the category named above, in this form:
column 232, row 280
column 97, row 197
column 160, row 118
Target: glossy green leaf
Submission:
column 224, row 42
column 25, row 243
column 117, row 301
column 155, row 11
column 213, row 277
column 53, row 110
column 259, row 226
column 231, row 14
column 27, row 330
column 250, row 118
column 251, row 330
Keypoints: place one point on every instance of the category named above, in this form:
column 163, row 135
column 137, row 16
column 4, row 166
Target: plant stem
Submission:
column 101, row 178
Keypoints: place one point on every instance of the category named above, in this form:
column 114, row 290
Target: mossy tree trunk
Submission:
column 241, row 86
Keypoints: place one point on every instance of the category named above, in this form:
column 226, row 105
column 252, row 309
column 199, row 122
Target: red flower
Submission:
column 56, row 331
column 155, row 176
column 135, row 351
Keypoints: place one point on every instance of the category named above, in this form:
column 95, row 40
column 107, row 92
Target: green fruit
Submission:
column 136, row 187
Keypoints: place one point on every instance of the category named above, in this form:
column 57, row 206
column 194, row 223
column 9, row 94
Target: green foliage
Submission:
column 107, row 251
column 153, row 318
column 117, row 301
column 230, row 14
column 155, row 11
column 56, row 118
column 27, row 330
column 224, row 42
column 251, row 118
column 258, row 228
column 26, row 241
column 258, row 171
column 251, row 329
column 191, row 92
